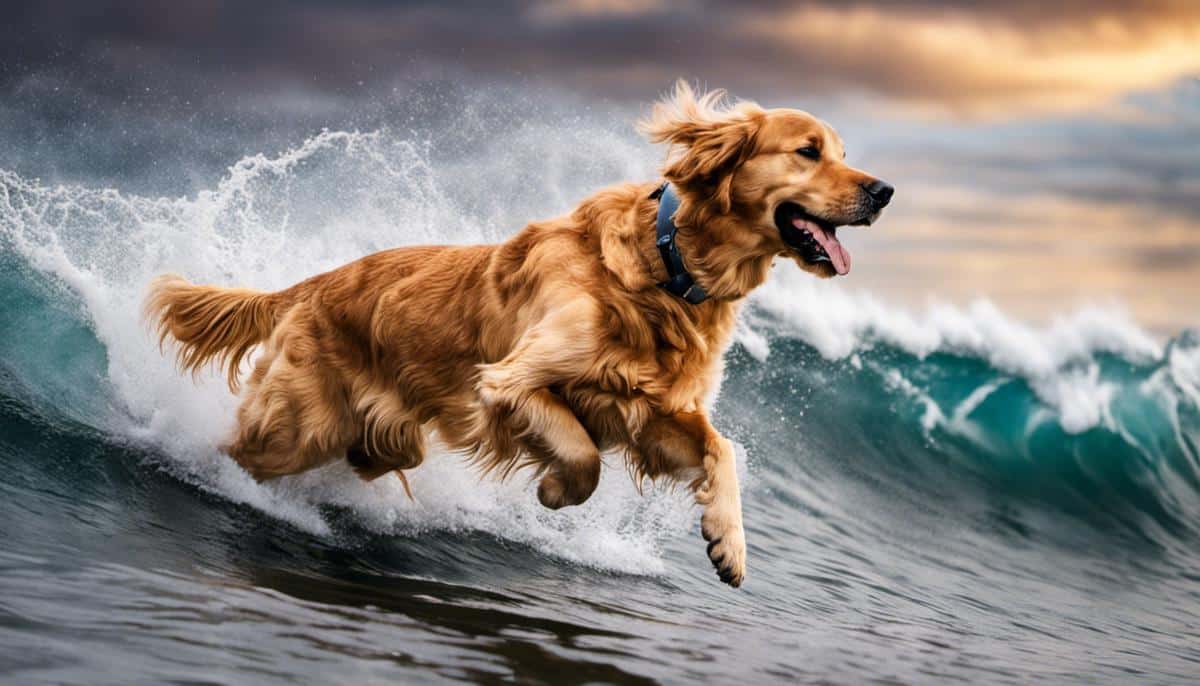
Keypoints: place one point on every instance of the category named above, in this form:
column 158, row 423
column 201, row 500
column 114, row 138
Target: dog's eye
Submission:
column 810, row 152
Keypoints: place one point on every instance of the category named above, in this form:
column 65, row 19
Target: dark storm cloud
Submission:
column 919, row 52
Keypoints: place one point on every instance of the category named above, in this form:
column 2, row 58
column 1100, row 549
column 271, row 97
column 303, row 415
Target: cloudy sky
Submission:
column 1046, row 153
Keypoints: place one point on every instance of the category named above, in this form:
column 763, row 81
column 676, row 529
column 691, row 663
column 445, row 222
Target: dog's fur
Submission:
column 542, row 351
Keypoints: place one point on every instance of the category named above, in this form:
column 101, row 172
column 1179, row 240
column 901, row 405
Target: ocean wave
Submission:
column 1057, row 360
column 82, row 257
column 966, row 426
column 970, row 384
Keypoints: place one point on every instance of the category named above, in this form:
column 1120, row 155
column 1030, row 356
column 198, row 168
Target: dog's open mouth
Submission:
column 813, row 238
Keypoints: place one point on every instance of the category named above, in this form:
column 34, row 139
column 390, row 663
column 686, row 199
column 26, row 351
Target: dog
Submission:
column 574, row 337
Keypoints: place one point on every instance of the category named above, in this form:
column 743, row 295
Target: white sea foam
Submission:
column 1057, row 360
column 1184, row 366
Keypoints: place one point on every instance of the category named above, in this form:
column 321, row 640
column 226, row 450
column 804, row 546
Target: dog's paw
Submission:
column 721, row 526
column 568, row 486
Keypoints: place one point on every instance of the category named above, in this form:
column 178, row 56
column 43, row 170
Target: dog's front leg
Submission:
column 551, row 353
column 686, row 442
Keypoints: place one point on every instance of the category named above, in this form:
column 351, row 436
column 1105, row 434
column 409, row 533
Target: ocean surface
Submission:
column 946, row 494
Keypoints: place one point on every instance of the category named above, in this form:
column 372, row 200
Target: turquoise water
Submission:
column 938, row 495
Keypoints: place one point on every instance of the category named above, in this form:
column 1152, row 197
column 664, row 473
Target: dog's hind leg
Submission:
column 370, row 462
column 392, row 439
column 518, row 387
column 293, row 416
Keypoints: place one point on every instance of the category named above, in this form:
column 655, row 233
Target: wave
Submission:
column 80, row 259
column 951, row 426
column 1089, row 413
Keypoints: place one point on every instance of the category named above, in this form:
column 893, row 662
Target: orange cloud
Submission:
column 978, row 61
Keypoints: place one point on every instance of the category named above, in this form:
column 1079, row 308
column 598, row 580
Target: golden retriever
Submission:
column 552, row 347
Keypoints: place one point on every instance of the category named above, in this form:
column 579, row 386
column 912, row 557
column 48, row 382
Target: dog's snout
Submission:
column 880, row 191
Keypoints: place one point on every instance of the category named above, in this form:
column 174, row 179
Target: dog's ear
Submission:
column 708, row 140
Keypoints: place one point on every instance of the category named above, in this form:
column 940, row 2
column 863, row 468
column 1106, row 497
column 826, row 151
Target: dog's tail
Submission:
column 211, row 323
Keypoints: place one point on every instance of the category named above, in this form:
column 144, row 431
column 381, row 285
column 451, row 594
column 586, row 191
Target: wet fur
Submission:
column 540, row 352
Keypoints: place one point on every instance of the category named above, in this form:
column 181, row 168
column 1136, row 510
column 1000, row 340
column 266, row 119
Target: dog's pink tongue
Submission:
column 828, row 240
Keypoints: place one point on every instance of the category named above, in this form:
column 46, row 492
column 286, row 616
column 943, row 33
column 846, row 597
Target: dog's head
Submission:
column 780, row 174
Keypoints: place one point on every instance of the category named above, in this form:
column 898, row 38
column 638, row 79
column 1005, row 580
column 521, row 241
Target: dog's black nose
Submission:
column 880, row 192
